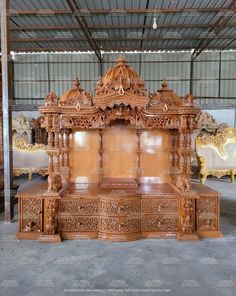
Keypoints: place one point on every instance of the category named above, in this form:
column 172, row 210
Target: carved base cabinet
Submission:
column 120, row 215
column 119, row 166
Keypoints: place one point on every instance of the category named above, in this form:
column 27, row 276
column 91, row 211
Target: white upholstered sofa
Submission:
column 29, row 158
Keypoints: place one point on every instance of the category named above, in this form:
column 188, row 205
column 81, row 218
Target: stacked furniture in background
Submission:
column 28, row 158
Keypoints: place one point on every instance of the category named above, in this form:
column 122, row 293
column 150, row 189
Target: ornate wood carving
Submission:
column 120, row 95
column 188, row 211
column 51, row 216
column 81, row 207
column 78, row 223
column 120, row 208
column 31, row 210
column 119, row 225
column 160, row 206
column 207, row 213
column 160, row 223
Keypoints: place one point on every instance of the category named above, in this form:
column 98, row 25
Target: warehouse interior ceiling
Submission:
column 125, row 25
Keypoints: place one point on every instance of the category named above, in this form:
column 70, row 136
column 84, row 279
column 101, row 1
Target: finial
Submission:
column 121, row 60
column 76, row 83
column 164, row 84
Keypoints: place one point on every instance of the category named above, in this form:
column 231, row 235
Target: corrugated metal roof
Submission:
column 112, row 25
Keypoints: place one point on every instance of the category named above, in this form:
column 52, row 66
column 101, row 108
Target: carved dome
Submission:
column 76, row 96
column 165, row 97
column 121, row 85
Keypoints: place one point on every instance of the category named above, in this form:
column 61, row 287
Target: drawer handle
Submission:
column 121, row 208
column 159, row 208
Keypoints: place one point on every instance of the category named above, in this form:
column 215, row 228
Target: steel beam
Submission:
column 7, row 143
column 81, row 21
column 114, row 27
column 219, row 25
column 87, row 12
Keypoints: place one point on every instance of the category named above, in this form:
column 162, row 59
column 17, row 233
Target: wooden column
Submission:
column 100, row 151
column 5, row 50
column 138, row 156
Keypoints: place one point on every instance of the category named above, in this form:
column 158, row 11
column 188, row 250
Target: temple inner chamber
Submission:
column 119, row 156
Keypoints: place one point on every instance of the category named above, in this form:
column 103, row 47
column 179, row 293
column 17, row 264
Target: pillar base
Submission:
column 47, row 238
column 187, row 237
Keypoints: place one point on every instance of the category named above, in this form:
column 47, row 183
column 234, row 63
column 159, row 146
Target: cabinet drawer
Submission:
column 119, row 225
column 119, row 207
column 159, row 206
column 159, row 223
column 207, row 209
column 79, row 207
column 78, row 223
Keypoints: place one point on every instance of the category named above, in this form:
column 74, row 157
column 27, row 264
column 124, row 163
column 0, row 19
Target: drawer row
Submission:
column 119, row 207
column 119, row 225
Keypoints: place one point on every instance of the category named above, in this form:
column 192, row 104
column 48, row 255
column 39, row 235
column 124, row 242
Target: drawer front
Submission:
column 119, row 225
column 79, row 207
column 207, row 213
column 31, row 214
column 159, row 206
column 120, row 207
column 159, row 223
column 78, row 223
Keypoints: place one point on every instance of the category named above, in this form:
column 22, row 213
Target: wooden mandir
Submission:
column 119, row 166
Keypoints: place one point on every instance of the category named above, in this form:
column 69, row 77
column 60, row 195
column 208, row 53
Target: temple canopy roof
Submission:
column 121, row 85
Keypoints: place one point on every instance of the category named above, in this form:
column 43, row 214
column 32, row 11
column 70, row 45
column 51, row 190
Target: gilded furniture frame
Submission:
column 217, row 143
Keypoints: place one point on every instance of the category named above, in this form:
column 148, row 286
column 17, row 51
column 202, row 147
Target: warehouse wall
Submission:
column 211, row 77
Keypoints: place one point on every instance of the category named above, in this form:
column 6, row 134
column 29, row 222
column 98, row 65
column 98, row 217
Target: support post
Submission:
column 5, row 50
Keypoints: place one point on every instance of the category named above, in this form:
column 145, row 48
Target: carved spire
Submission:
column 76, row 97
column 164, row 84
column 121, row 60
column 121, row 85
column 76, row 84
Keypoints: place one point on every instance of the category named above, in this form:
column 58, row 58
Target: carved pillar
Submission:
column 50, row 225
column 61, row 156
column 138, row 158
column 50, row 163
column 56, row 139
column 66, row 148
column 56, row 162
column 50, row 139
column 187, row 202
column 100, row 151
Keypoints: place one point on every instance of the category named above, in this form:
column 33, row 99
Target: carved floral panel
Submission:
column 79, row 207
column 119, row 225
column 31, row 209
column 207, row 212
column 159, row 206
column 160, row 223
column 78, row 223
column 124, row 207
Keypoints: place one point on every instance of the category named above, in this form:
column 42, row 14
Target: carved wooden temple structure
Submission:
column 119, row 166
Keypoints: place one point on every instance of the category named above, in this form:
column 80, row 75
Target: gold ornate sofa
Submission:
column 216, row 153
column 29, row 158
